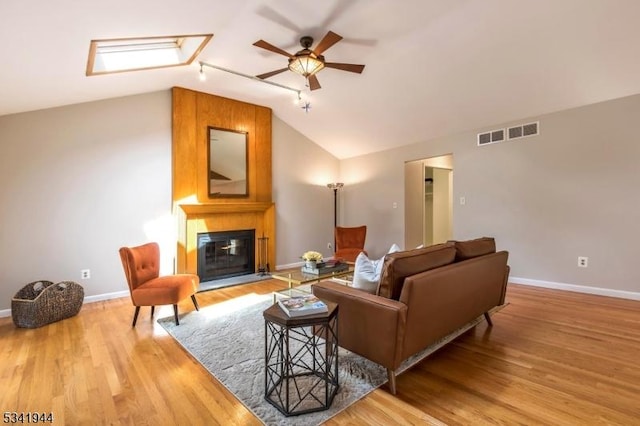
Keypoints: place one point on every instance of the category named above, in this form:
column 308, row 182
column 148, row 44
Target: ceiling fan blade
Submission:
column 329, row 40
column 345, row 67
column 338, row 10
column 271, row 74
column 270, row 47
column 314, row 84
column 274, row 16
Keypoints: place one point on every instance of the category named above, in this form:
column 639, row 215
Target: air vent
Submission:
column 484, row 138
column 515, row 132
column 491, row 137
column 523, row 130
column 530, row 129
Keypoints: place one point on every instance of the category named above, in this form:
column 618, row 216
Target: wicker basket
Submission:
column 38, row 304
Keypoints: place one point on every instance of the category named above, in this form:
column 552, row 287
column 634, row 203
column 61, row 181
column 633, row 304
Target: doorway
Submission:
column 428, row 201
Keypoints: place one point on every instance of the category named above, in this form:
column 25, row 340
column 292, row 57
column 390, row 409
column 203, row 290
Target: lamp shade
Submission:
column 305, row 63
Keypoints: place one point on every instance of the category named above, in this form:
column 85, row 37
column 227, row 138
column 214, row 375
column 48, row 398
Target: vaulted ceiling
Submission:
column 433, row 67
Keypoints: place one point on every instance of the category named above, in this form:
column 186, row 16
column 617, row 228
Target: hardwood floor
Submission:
column 552, row 357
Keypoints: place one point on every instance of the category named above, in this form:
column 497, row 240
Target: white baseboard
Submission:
column 621, row 294
column 106, row 296
column 89, row 299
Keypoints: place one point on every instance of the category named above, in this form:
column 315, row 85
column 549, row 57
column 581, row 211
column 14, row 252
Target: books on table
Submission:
column 298, row 306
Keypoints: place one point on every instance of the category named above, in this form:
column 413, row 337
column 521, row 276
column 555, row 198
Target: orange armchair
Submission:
column 350, row 242
column 142, row 268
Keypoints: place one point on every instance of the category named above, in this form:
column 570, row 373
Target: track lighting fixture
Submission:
column 251, row 77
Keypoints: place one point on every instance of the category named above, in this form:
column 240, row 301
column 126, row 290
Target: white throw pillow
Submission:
column 366, row 273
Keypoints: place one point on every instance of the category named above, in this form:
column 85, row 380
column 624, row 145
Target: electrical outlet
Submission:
column 463, row 201
column 583, row 261
column 85, row 274
column 329, row 246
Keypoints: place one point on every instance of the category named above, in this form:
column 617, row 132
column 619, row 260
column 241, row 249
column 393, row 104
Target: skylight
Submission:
column 132, row 54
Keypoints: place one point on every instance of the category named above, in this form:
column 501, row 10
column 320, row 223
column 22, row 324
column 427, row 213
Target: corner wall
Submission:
column 301, row 171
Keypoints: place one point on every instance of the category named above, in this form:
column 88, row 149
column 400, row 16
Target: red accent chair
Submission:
column 350, row 242
column 142, row 268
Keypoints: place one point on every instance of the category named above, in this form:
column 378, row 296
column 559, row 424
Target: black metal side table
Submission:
column 301, row 360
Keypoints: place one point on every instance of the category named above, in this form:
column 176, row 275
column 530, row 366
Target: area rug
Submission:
column 228, row 340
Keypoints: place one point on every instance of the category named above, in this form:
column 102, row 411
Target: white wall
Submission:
column 569, row 192
column 77, row 183
column 304, row 204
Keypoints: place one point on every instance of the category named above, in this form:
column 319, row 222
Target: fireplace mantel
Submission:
column 199, row 209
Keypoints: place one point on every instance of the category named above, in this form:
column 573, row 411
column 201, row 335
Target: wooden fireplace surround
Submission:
column 193, row 112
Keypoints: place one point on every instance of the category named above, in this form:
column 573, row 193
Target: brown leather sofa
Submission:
column 423, row 295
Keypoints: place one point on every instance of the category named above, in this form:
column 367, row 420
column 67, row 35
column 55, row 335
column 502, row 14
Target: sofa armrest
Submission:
column 369, row 325
column 507, row 270
column 441, row 300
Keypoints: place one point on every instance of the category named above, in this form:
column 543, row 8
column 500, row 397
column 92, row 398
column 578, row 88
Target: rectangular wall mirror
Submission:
column 227, row 163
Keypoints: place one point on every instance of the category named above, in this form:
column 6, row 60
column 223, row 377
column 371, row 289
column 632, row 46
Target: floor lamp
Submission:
column 335, row 186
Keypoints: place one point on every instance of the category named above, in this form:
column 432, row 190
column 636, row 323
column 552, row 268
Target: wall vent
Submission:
column 492, row 136
column 523, row 130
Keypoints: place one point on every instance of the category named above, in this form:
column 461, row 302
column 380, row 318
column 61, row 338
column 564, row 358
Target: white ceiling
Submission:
column 433, row 67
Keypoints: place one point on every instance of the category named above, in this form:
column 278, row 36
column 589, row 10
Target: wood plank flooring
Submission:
column 552, row 358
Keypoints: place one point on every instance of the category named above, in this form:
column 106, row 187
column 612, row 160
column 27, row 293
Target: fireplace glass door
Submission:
column 225, row 254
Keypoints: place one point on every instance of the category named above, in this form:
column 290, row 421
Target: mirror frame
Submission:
column 246, row 164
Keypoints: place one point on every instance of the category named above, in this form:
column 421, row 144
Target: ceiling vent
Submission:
column 490, row 137
column 523, row 130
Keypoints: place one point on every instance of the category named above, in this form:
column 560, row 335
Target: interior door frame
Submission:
column 414, row 197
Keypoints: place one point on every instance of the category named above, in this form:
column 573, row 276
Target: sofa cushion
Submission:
column 398, row 266
column 366, row 273
column 474, row 248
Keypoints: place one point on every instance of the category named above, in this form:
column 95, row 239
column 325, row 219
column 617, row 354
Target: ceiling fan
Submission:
column 307, row 62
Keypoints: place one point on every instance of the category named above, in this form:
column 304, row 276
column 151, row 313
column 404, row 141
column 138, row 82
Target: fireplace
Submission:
column 225, row 254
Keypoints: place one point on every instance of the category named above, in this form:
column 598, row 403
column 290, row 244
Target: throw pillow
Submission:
column 366, row 273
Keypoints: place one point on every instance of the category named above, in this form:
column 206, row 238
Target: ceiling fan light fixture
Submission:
column 306, row 64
